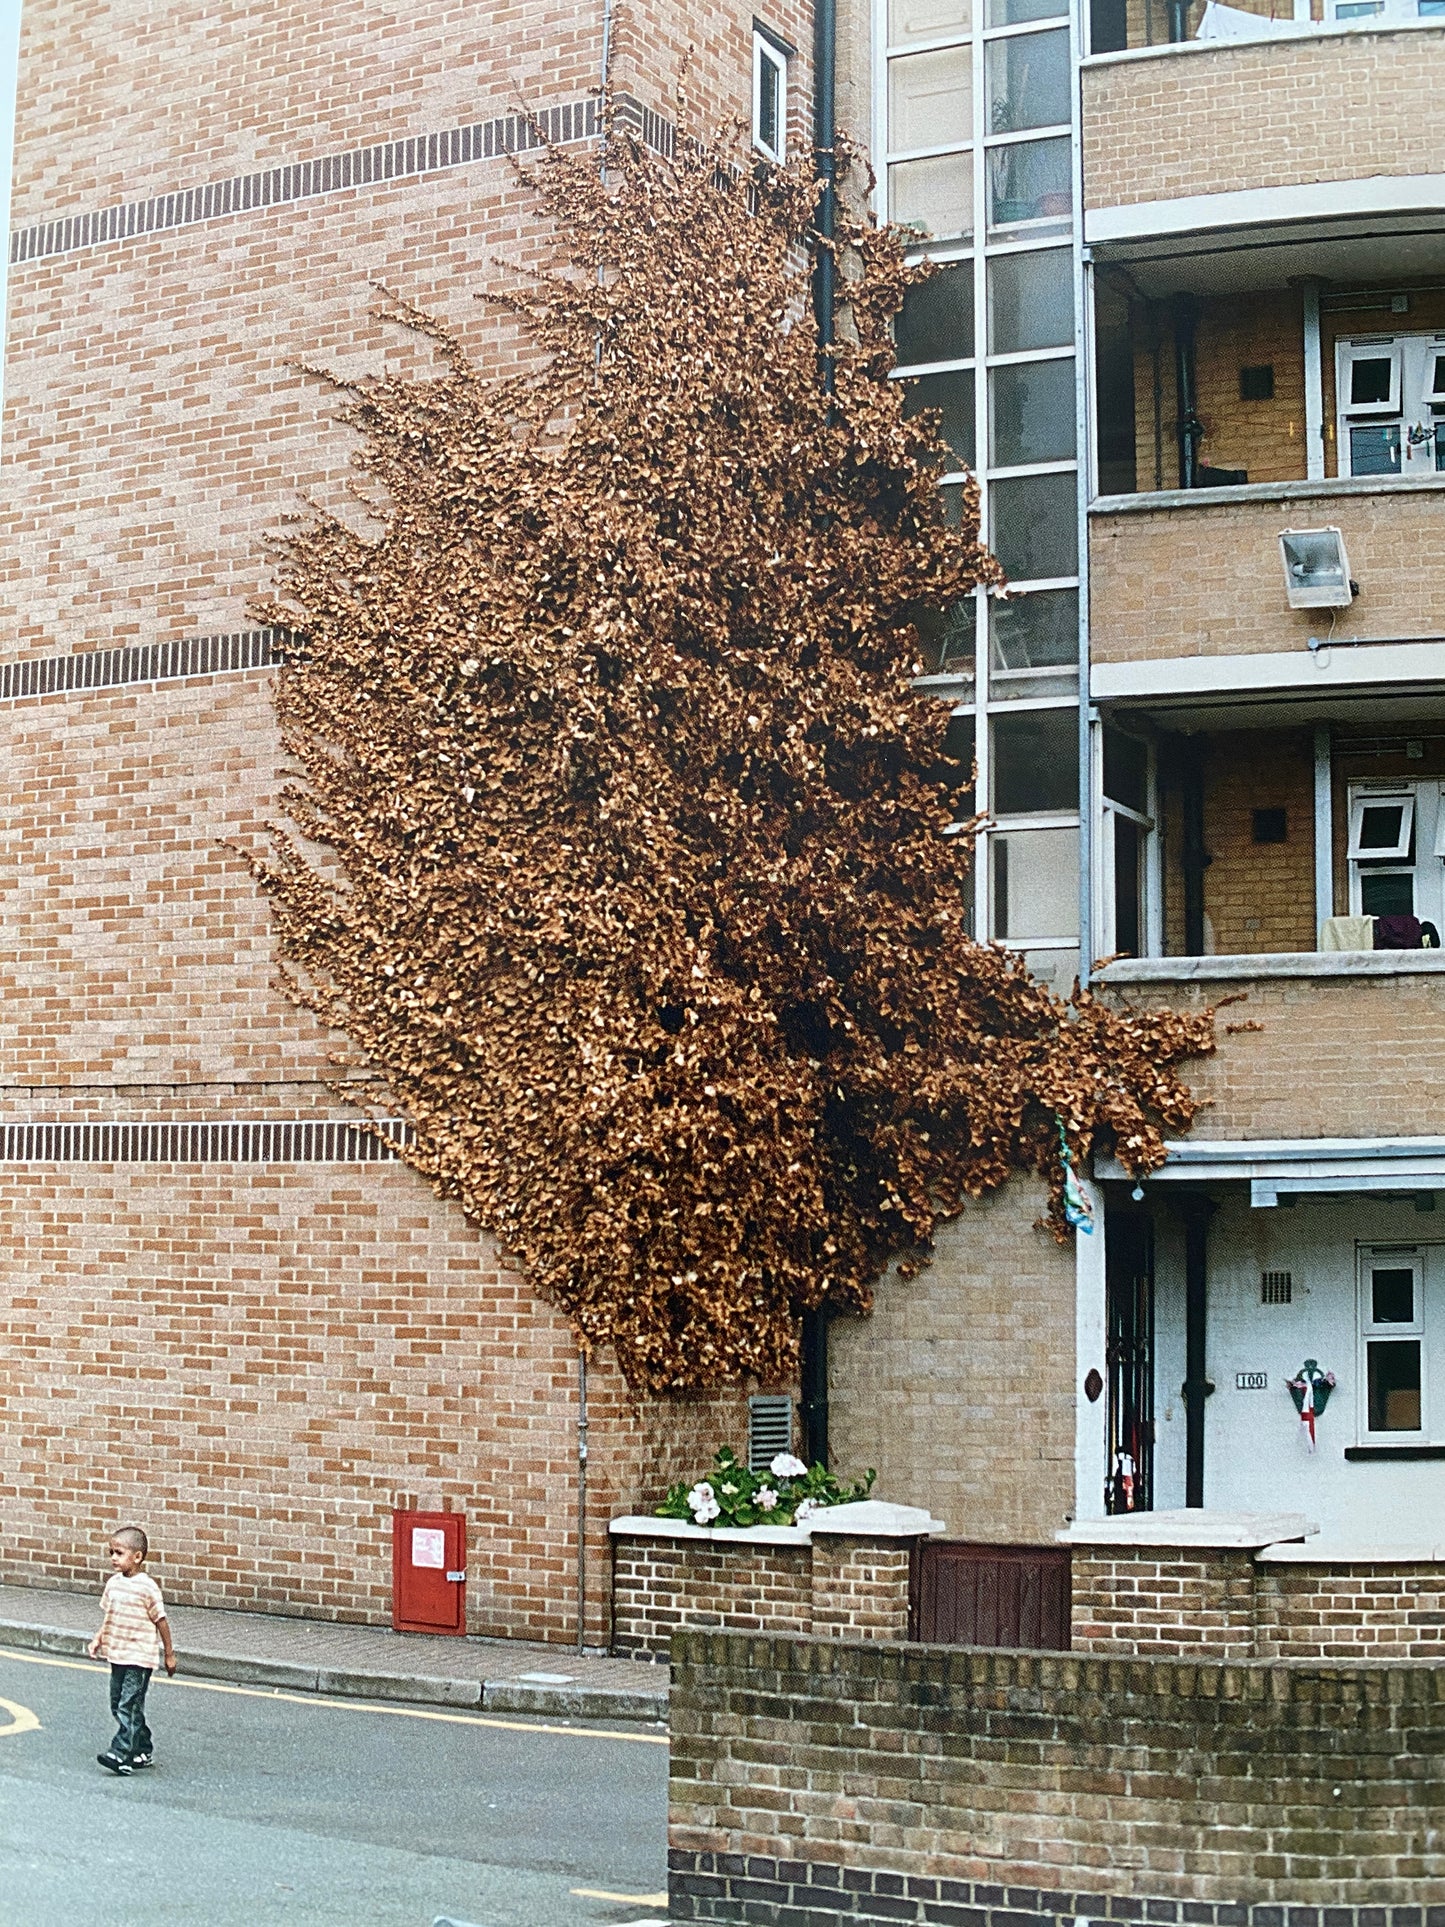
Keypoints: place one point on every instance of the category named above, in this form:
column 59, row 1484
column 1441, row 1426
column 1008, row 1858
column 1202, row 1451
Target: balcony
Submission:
column 1319, row 1046
column 1207, row 134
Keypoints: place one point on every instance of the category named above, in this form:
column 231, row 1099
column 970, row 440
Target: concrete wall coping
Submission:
column 867, row 1519
column 1181, row 1527
column 646, row 1525
column 876, row 1519
column 1285, row 963
column 1351, row 1552
column 1167, row 500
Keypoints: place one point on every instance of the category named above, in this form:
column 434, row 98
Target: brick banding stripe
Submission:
column 396, row 160
column 299, row 1141
column 152, row 662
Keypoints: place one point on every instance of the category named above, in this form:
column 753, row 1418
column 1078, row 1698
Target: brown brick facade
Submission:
column 981, row 1788
column 1201, row 576
column 1214, row 119
column 1372, row 1611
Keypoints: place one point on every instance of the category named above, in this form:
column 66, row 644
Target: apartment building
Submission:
column 1188, row 331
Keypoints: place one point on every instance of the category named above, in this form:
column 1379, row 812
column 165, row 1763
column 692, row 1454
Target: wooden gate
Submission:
column 975, row 1595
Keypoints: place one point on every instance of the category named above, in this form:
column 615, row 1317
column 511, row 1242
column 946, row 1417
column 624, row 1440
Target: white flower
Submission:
column 765, row 1498
column 806, row 1510
column 702, row 1501
column 785, row 1466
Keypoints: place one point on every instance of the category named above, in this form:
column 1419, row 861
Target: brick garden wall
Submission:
column 660, row 1586
column 825, row 1780
column 1369, row 1612
column 1163, row 1603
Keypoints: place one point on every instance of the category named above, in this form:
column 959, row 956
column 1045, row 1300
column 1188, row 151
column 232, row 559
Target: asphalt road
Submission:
column 265, row 1807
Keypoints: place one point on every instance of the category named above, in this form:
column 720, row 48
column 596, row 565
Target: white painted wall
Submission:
column 1255, row 1453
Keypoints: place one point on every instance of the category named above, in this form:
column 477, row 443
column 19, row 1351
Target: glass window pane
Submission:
column 1036, row 631
column 1128, row 886
column 1028, row 82
column 910, row 21
column 1032, row 412
column 1030, row 301
column 930, row 100
column 1382, row 826
column 1375, row 450
column 936, row 321
column 946, row 637
column 1036, row 762
column 1387, row 893
column 1394, row 1374
column 952, row 396
column 1034, row 523
column 957, row 771
column 1013, row 13
column 934, row 197
column 1035, row 884
column 770, row 91
column 1126, row 770
column 1029, row 181
column 1371, row 378
column 1392, row 1295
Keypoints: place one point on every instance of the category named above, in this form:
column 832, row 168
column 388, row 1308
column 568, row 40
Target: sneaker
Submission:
column 113, row 1763
column 142, row 1759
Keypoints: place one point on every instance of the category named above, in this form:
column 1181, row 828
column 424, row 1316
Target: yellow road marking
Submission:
column 22, row 1720
column 635, row 1900
column 356, row 1706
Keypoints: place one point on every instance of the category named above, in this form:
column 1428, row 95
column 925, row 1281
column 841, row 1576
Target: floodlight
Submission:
column 1316, row 569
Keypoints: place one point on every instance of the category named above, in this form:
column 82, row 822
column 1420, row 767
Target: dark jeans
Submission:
column 128, row 1708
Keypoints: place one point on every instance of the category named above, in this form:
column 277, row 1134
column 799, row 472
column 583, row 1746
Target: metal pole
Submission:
column 581, row 1501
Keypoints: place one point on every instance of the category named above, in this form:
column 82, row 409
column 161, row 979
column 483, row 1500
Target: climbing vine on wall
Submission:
column 620, row 848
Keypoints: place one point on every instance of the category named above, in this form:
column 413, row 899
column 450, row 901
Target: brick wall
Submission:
column 260, row 1360
column 843, row 1585
column 1204, row 578
column 1163, row 1603
column 1374, row 1049
column 825, row 1780
column 1376, row 1611
column 1221, row 118
column 960, row 1388
column 662, row 1585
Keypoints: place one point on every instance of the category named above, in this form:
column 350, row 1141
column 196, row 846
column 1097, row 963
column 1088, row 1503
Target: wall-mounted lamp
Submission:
column 1316, row 569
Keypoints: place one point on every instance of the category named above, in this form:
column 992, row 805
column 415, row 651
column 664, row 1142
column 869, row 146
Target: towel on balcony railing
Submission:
column 1347, row 933
column 1234, row 23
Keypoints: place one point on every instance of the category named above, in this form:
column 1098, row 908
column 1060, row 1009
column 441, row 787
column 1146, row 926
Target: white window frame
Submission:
column 1395, row 1258
column 1362, row 800
column 770, row 59
column 1381, row 348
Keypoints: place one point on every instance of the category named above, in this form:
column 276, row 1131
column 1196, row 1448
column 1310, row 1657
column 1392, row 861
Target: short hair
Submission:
column 133, row 1537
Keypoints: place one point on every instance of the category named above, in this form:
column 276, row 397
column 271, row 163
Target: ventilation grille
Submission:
column 1275, row 1287
column 157, row 662
column 770, row 1429
column 309, row 1142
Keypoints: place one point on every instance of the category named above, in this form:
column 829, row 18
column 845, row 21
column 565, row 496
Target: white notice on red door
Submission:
column 428, row 1546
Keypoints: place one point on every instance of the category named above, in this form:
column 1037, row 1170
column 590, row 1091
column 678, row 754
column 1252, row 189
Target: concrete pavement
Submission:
column 370, row 1662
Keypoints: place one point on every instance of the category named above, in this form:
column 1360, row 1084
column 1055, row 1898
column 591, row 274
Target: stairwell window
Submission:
column 770, row 94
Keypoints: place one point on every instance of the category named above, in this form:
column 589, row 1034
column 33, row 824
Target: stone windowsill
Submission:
column 1178, row 1528
column 1281, row 964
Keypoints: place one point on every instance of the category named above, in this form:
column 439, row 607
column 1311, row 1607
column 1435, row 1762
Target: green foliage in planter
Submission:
column 733, row 1495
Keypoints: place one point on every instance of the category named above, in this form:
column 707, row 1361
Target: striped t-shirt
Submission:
column 130, row 1607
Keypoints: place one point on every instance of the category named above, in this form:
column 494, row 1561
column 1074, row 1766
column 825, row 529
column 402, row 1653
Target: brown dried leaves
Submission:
column 634, row 887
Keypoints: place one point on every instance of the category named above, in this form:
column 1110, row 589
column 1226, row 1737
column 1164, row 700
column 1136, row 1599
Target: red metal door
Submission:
column 429, row 1572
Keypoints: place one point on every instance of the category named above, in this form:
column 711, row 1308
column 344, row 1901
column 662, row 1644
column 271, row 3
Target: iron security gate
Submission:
column 978, row 1595
column 1129, row 1261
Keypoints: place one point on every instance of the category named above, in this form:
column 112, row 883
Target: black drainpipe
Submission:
column 1178, row 11
column 814, row 1367
column 1194, row 859
column 1190, row 429
column 1196, row 1387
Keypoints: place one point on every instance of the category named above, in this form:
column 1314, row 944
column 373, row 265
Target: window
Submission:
column 1397, row 850
column 936, row 323
column 1390, row 404
column 770, row 95
column 1392, row 1341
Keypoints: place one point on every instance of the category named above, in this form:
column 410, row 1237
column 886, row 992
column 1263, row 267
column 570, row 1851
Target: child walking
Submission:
column 133, row 1619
